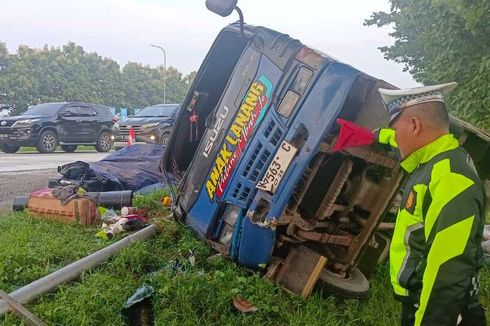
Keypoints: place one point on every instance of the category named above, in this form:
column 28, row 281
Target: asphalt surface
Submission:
column 13, row 184
column 22, row 173
column 35, row 161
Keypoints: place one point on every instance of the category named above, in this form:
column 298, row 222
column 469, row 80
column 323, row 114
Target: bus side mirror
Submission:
column 221, row 7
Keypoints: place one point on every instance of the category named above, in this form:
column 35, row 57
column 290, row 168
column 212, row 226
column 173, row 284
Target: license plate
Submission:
column 277, row 168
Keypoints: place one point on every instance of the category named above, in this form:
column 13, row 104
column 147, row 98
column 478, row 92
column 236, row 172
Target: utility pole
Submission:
column 164, row 71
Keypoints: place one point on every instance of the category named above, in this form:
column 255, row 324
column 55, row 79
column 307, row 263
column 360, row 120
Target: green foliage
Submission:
column 80, row 148
column 151, row 201
column 442, row 41
column 189, row 295
column 31, row 248
column 3, row 55
column 33, row 76
column 144, row 85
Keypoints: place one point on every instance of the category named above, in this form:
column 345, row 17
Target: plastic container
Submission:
column 79, row 210
column 113, row 199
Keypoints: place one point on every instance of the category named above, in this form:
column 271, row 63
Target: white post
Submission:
column 164, row 71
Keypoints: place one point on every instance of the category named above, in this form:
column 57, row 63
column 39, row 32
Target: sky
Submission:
column 124, row 29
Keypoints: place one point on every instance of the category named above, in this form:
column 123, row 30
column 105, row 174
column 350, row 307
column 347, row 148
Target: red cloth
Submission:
column 352, row 135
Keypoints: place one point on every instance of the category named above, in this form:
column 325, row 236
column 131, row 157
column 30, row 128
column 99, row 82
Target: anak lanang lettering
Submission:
column 249, row 114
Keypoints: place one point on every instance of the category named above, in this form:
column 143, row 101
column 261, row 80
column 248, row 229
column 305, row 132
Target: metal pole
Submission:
column 164, row 71
column 72, row 271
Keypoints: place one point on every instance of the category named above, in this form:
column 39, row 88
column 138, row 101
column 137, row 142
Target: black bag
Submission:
column 77, row 171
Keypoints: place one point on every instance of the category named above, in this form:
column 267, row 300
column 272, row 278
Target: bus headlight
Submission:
column 230, row 215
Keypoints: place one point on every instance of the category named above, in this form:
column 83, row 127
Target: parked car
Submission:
column 261, row 183
column 152, row 124
column 48, row 125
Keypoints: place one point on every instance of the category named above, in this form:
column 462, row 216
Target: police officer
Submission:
column 436, row 248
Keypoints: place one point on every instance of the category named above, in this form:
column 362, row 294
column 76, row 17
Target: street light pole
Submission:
column 164, row 71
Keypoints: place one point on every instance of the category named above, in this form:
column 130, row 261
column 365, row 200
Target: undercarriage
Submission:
column 335, row 211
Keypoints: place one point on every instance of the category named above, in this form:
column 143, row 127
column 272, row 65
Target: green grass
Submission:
column 58, row 149
column 31, row 248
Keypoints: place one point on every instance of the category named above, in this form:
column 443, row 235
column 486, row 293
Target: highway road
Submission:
column 21, row 173
column 35, row 161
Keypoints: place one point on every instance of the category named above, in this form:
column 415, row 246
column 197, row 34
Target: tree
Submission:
column 3, row 63
column 441, row 41
column 3, row 55
column 33, row 76
column 144, row 85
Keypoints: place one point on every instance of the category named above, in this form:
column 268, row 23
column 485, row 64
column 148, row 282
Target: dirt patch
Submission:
column 14, row 184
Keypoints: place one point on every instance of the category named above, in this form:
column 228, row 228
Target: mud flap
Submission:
column 301, row 270
column 374, row 254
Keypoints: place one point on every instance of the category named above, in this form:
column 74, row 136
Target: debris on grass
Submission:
column 108, row 215
column 243, row 305
column 138, row 309
column 166, row 201
column 214, row 259
column 192, row 258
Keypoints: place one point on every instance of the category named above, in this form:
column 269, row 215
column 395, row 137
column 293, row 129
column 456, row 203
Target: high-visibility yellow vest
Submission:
column 436, row 251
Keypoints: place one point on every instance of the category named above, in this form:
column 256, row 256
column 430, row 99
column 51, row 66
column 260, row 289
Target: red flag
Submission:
column 131, row 136
column 352, row 135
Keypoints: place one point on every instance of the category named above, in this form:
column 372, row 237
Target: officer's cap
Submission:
column 396, row 100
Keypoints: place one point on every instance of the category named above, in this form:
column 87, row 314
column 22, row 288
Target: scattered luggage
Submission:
column 80, row 210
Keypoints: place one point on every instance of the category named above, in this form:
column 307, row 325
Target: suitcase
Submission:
column 80, row 210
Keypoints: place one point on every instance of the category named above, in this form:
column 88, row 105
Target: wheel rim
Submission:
column 49, row 142
column 105, row 142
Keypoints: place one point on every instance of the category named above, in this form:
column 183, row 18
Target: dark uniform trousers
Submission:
column 470, row 315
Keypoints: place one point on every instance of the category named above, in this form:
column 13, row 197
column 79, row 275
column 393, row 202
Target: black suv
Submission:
column 152, row 124
column 68, row 124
